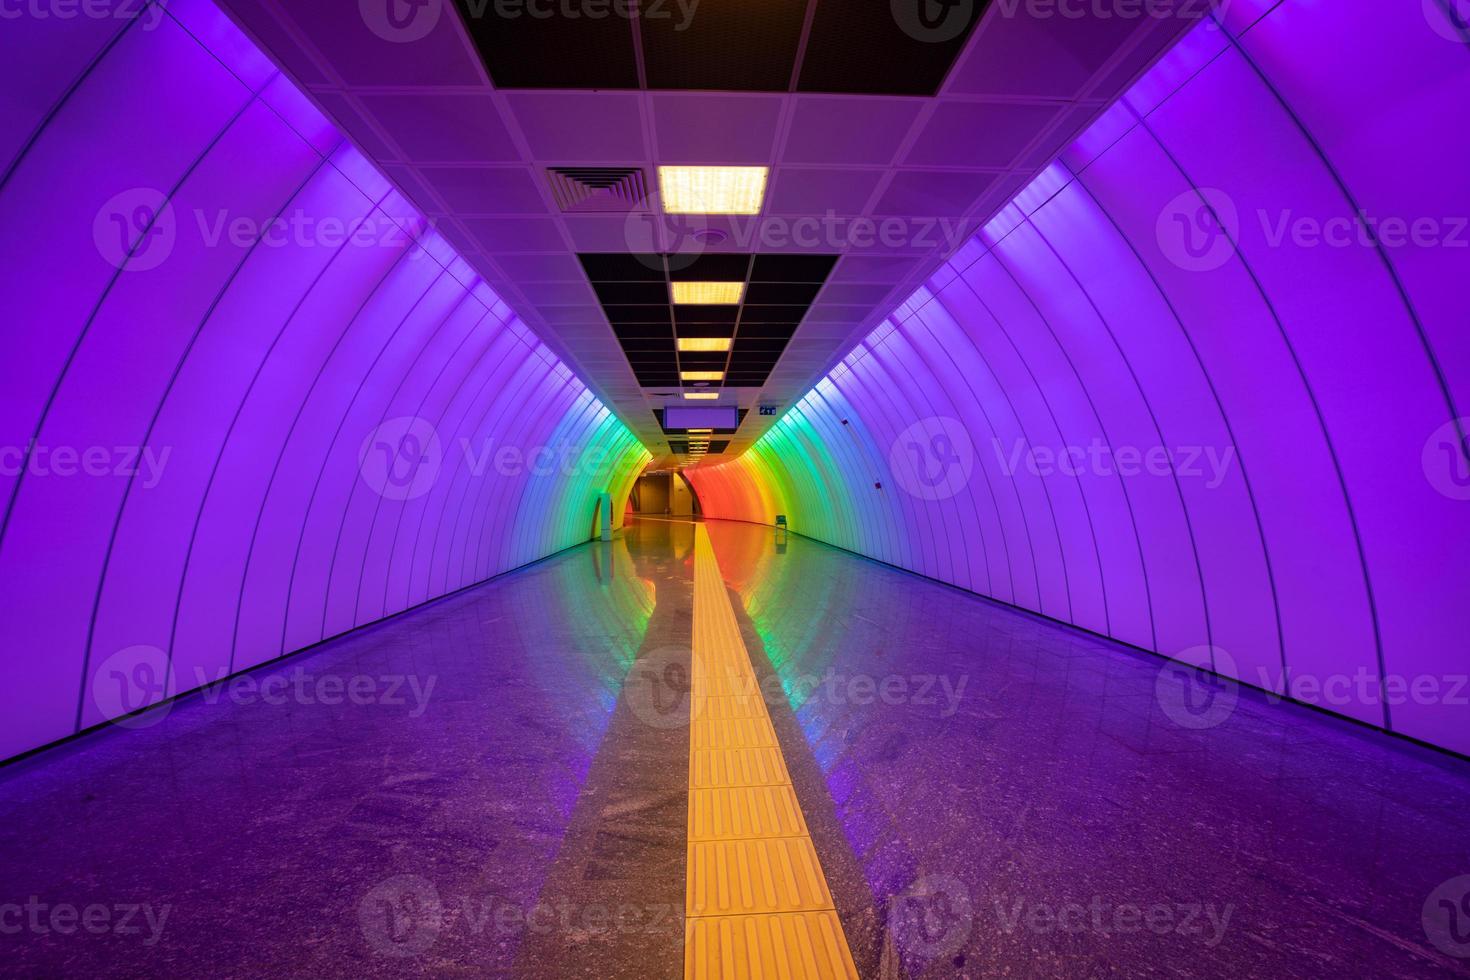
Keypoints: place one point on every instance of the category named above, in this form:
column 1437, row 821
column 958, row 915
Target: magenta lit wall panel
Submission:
column 1201, row 387
column 249, row 399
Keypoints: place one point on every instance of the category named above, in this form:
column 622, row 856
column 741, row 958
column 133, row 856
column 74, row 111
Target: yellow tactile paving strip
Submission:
column 756, row 901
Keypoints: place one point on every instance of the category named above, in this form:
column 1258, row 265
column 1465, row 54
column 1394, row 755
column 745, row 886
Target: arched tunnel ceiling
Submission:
column 894, row 183
column 1201, row 386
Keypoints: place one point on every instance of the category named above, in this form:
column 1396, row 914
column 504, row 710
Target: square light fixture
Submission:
column 712, row 190
column 701, row 395
column 708, row 293
column 705, row 344
column 702, row 375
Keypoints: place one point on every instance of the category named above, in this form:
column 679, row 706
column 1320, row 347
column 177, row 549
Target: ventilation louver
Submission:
column 579, row 189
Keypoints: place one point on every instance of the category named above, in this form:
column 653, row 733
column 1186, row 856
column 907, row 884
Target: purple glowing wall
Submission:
column 1199, row 387
column 248, row 398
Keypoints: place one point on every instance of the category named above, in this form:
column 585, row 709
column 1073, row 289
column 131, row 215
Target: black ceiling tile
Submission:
column 727, row 45
column 657, row 380
column 706, row 330
column 792, row 268
column 752, row 345
column 521, row 50
column 782, row 292
column 766, row 330
column 622, row 267
column 710, row 267
column 702, row 360
column 895, row 48
column 622, row 293
column 637, row 314
column 663, row 344
column 661, row 331
column 706, row 314
column 772, row 314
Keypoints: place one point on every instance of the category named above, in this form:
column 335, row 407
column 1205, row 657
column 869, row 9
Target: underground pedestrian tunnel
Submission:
column 798, row 488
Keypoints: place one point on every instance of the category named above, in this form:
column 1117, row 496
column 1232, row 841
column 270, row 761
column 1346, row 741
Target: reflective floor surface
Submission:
column 496, row 784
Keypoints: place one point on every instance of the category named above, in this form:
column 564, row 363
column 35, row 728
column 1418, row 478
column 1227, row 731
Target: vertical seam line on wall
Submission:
column 1316, row 408
column 1393, row 275
column 162, row 402
column 1219, row 404
column 1199, row 569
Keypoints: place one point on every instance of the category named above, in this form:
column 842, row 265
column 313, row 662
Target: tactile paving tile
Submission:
column 740, row 877
column 732, row 812
column 757, row 902
column 791, row 946
column 736, row 767
column 730, row 733
column 738, row 706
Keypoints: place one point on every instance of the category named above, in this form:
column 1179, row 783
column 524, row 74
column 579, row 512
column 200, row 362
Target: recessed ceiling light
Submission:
column 712, row 190
column 702, row 375
column 704, row 343
column 700, row 431
column 701, row 395
column 708, row 293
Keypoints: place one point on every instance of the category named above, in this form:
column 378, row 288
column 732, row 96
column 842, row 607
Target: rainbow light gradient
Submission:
column 1136, row 404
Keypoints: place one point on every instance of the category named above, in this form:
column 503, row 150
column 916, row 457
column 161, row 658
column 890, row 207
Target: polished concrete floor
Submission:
column 497, row 784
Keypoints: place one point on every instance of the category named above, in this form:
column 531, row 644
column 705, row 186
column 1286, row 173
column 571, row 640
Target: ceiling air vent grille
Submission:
column 598, row 188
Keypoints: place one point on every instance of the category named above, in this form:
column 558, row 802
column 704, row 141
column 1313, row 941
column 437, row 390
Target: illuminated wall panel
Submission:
column 1200, row 386
column 249, row 398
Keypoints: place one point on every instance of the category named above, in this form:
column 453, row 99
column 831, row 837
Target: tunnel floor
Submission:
column 510, row 782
